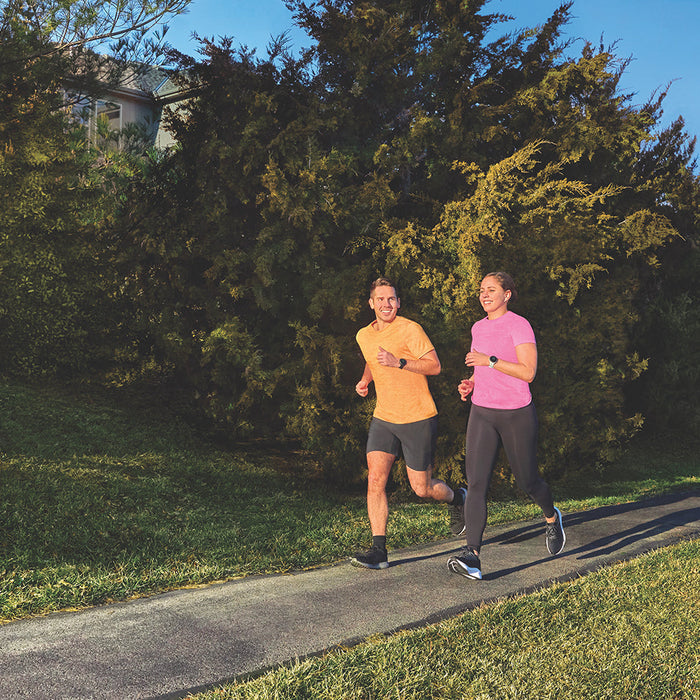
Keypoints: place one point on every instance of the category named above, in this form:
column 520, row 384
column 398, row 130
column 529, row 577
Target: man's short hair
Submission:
column 382, row 282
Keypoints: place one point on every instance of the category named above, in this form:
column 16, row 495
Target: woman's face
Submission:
column 493, row 298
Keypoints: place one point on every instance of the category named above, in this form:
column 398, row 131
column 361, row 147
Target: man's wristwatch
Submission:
column 492, row 361
column 402, row 363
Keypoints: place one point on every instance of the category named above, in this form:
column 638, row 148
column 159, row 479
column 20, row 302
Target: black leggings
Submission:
column 516, row 430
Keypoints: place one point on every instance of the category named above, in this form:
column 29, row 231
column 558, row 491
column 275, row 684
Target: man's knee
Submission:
column 378, row 468
column 376, row 482
column 422, row 490
column 421, row 482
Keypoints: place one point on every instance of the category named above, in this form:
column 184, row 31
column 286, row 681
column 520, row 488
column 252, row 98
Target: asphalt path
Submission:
column 169, row 645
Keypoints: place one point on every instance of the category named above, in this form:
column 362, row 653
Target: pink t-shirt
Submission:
column 493, row 389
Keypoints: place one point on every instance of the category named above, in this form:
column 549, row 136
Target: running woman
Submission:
column 399, row 358
column 503, row 355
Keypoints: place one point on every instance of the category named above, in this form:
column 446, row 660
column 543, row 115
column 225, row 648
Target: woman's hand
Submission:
column 475, row 358
column 465, row 387
column 525, row 368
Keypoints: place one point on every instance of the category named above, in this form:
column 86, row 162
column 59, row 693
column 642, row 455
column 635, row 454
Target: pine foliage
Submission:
column 412, row 140
column 404, row 142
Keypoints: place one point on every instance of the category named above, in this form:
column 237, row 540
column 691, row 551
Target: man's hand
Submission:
column 428, row 364
column 385, row 358
column 362, row 387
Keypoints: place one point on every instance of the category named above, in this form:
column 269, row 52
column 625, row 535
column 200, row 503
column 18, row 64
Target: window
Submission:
column 103, row 118
column 106, row 121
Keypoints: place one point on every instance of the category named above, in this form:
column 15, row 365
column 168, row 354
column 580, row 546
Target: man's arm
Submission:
column 362, row 387
column 428, row 365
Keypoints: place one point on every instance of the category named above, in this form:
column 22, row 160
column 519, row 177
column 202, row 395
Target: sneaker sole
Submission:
column 461, row 532
column 563, row 533
column 381, row 565
column 457, row 567
column 464, row 515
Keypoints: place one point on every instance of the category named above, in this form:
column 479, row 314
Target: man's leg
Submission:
column 418, row 441
column 425, row 486
column 379, row 465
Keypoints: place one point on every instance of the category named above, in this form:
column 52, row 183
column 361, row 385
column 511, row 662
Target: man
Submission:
column 399, row 358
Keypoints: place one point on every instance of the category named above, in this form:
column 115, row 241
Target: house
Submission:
column 134, row 106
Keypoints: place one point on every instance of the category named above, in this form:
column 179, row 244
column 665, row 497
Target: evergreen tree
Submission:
column 215, row 246
column 403, row 142
column 41, row 164
column 531, row 157
column 666, row 180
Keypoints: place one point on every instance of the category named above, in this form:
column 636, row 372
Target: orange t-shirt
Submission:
column 402, row 396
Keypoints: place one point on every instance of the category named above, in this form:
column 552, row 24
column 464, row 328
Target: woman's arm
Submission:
column 525, row 368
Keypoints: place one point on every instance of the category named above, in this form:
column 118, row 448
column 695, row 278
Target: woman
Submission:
column 504, row 357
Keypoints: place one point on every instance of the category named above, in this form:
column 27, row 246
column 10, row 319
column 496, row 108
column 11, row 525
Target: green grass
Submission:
column 627, row 631
column 100, row 501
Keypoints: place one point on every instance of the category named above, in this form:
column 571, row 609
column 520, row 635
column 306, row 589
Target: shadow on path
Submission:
column 610, row 543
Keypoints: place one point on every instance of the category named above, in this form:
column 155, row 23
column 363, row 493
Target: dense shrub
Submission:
column 406, row 143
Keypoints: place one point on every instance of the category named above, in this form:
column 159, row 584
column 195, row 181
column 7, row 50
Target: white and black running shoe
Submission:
column 555, row 535
column 466, row 564
column 457, row 513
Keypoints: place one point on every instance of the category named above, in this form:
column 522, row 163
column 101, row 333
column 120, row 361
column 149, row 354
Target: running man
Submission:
column 399, row 358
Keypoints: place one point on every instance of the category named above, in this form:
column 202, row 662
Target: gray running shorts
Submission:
column 414, row 441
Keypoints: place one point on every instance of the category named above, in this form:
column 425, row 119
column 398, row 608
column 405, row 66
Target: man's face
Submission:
column 385, row 304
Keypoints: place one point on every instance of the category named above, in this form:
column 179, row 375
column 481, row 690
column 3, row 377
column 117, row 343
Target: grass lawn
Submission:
column 102, row 502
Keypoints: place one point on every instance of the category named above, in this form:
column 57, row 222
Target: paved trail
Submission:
column 186, row 640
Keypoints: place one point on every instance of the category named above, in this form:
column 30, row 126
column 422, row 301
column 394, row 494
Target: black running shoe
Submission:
column 466, row 564
column 555, row 535
column 373, row 558
column 457, row 514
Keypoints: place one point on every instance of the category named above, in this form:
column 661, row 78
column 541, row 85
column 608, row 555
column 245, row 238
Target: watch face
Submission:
column 493, row 359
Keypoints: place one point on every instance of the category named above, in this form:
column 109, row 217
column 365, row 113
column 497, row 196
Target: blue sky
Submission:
column 661, row 37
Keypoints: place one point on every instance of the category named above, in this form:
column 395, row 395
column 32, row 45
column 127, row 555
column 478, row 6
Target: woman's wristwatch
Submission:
column 492, row 361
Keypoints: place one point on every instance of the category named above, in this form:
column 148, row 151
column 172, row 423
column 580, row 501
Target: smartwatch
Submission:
column 402, row 363
column 492, row 361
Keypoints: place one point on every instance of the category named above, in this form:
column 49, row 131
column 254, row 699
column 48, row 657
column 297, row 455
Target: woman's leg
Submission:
column 519, row 435
column 482, row 443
